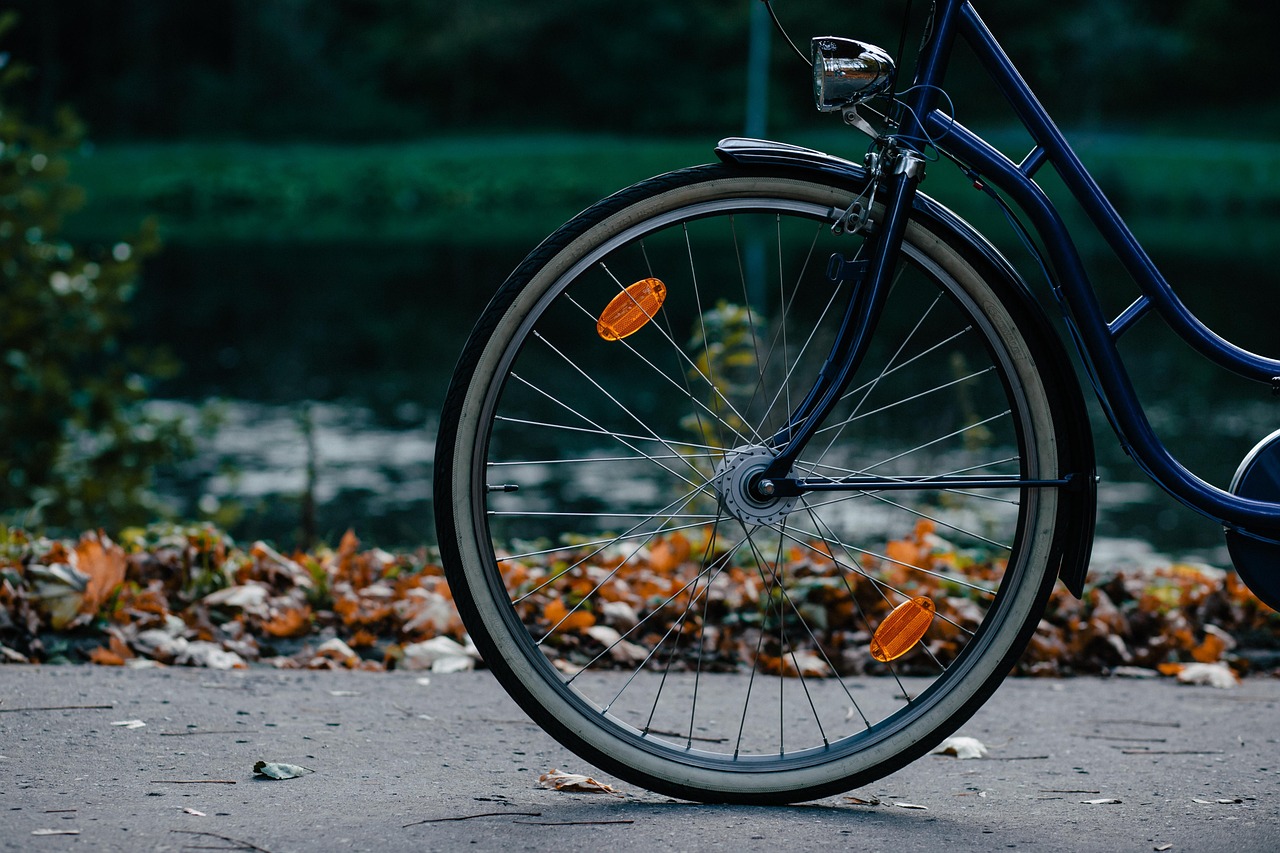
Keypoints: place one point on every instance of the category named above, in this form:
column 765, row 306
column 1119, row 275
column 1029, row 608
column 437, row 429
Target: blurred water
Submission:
column 361, row 339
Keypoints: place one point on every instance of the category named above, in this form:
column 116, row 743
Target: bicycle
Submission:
column 682, row 439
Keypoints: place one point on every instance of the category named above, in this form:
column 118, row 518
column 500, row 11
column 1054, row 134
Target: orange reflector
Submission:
column 902, row 629
column 627, row 312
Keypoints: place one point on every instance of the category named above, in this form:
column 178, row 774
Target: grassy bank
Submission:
column 514, row 188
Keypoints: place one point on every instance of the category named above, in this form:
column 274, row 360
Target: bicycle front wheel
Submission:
column 637, row 599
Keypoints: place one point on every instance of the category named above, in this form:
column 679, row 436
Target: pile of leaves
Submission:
column 191, row 596
column 591, row 607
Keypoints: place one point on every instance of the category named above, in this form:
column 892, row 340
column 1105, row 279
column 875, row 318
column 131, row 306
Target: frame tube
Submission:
column 1096, row 340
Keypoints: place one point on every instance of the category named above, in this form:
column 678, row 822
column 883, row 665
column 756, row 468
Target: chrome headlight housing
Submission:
column 847, row 72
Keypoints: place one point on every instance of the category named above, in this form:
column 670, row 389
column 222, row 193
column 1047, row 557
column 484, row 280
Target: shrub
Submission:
column 79, row 447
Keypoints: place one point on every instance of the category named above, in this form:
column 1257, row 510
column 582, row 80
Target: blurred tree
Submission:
column 360, row 69
column 78, row 447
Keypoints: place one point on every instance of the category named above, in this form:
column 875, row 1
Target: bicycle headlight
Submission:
column 847, row 72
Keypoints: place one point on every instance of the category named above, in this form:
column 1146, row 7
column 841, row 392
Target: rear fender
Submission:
column 1077, row 512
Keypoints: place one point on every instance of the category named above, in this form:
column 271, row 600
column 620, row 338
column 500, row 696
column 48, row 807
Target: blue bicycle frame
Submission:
column 1095, row 337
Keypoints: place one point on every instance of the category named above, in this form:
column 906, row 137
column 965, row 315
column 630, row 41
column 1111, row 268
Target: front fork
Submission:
column 902, row 170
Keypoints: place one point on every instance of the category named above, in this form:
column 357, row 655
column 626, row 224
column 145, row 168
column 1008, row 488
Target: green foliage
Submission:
column 78, row 446
column 726, row 360
column 366, row 69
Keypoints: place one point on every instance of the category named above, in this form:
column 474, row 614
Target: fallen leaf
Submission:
column 208, row 655
column 275, row 770
column 1160, row 848
column 12, row 655
column 129, row 724
column 1217, row 675
column 1105, row 801
column 58, row 592
column 335, row 649
column 194, row 812
column 858, row 801
column 103, row 561
column 251, row 597
column 911, row 806
column 575, row 783
column 962, row 747
column 289, row 622
column 564, row 619
column 55, row 832
column 105, row 657
column 439, row 654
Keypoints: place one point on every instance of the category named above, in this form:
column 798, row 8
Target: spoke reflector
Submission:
column 902, row 629
column 631, row 309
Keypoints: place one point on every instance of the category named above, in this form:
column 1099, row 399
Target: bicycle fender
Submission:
column 1077, row 510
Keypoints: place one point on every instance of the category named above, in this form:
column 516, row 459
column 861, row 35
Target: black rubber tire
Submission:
column 564, row 700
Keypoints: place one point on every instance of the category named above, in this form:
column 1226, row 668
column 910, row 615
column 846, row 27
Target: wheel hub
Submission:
column 733, row 483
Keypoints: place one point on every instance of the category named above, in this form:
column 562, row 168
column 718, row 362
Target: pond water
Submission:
column 336, row 357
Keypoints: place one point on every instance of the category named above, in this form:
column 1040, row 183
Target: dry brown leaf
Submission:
column 858, row 801
column 962, row 747
column 58, row 592
column 575, row 783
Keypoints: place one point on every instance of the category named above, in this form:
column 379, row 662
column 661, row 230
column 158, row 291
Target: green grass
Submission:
column 516, row 188
column 460, row 189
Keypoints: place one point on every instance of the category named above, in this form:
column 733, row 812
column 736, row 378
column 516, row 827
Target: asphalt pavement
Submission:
column 99, row 758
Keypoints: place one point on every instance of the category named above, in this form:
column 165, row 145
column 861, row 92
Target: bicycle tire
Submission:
column 685, row 640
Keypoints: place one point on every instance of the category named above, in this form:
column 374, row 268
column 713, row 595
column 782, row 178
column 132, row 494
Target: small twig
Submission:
column 193, row 781
column 247, row 844
column 1014, row 757
column 1174, row 725
column 1066, row 791
column 57, row 811
column 571, row 822
column 59, row 708
column 471, row 817
column 1128, row 739
column 1171, row 752
column 205, row 732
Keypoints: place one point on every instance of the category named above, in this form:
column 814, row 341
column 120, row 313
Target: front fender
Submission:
column 1077, row 512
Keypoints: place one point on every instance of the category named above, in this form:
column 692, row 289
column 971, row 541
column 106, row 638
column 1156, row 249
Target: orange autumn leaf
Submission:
column 559, row 616
column 104, row 562
column 293, row 622
column 105, row 657
column 902, row 551
column 668, row 553
column 362, row 639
